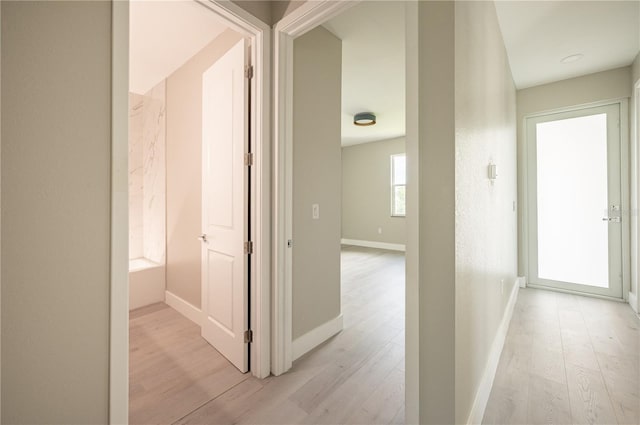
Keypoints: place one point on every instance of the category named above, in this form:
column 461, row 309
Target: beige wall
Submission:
column 575, row 91
column 316, row 179
column 280, row 9
column 430, row 142
column 486, row 227
column 56, row 149
column 596, row 87
column 366, row 192
column 184, row 169
column 261, row 9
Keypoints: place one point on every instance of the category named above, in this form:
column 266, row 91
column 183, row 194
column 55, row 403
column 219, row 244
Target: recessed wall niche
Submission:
column 147, row 175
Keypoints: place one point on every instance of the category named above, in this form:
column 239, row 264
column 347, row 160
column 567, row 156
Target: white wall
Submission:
column 366, row 192
column 56, row 180
column 316, row 179
column 184, row 169
column 486, row 221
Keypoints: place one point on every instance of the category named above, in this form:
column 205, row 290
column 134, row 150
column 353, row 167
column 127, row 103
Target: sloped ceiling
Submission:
column 163, row 35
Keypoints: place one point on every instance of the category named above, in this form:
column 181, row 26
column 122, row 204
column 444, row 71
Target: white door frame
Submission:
column 634, row 299
column 260, row 34
column 624, row 173
column 304, row 19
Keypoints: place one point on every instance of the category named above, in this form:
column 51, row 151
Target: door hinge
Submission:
column 248, row 336
column 248, row 72
column 248, row 159
column 248, row 247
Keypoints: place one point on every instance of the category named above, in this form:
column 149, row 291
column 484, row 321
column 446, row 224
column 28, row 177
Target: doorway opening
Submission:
column 347, row 285
column 576, row 198
column 196, row 151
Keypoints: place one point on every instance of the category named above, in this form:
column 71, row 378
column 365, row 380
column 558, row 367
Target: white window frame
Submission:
column 394, row 185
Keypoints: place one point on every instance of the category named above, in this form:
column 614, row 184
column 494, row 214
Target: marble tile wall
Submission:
column 147, row 175
column 135, row 176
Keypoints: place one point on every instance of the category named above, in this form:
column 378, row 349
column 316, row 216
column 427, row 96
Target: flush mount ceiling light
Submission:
column 364, row 119
column 572, row 58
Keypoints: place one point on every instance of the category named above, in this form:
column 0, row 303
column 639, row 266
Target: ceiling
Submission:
column 539, row 34
column 373, row 69
column 163, row 36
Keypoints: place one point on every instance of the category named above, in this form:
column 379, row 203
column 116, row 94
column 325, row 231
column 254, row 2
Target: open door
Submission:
column 225, row 206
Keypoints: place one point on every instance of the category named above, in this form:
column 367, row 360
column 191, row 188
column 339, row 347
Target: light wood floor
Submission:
column 357, row 377
column 568, row 360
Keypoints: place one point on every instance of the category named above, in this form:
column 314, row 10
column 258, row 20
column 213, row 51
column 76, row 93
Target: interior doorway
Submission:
column 197, row 158
column 337, row 287
column 576, row 200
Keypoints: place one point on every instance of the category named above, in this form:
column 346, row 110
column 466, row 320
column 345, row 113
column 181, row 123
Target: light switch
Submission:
column 492, row 171
column 315, row 211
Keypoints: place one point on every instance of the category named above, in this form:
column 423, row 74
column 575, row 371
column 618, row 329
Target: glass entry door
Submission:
column 574, row 201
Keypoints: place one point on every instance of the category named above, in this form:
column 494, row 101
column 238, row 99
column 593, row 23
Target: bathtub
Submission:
column 146, row 282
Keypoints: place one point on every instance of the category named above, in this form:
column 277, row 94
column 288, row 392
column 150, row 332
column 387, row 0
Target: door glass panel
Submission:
column 572, row 200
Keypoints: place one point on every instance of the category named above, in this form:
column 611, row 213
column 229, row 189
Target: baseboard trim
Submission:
column 373, row 244
column 183, row 307
column 484, row 389
column 633, row 301
column 307, row 342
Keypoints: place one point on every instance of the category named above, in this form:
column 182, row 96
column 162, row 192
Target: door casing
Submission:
column 624, row 180
column 259, row 33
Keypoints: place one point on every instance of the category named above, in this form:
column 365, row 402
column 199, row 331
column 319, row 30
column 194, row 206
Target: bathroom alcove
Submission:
column 147, row 196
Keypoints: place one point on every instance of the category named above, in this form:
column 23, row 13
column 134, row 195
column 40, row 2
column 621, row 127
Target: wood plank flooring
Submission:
column 357, row 377
column 568, row 359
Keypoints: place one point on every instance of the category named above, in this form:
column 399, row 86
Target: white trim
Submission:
column 298, row 22
column 183, row 307
column 373, row 244
column 634, row 148
column 307, row 342
column 521, row 281
column 484, row 389
column 633, row 302
column 119, row 250
column 625, row 178
column 569, row 291
column 578, row 107
column 624, row 190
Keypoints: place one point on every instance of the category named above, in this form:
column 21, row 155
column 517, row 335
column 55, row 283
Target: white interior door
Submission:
column 574, row 194
column 225, row 212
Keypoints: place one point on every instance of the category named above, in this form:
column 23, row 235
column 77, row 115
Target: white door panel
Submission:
column 225, row 207
column 575, row 195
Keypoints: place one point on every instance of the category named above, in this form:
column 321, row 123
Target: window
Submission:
column 398, row 185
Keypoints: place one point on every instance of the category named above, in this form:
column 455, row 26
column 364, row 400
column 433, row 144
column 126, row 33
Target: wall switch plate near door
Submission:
column 315, row 211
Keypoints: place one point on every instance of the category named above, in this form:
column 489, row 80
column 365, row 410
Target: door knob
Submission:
column 203, row 238
column 612, row 219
